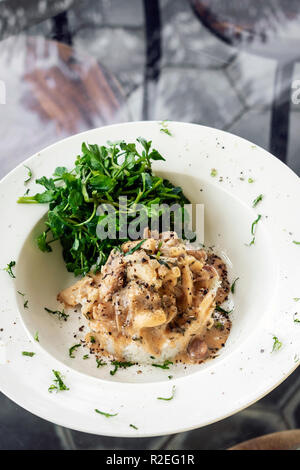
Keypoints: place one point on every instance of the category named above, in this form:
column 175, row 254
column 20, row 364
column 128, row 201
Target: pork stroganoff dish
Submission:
column 155, row 298
column 141, row 273
column 148, row 297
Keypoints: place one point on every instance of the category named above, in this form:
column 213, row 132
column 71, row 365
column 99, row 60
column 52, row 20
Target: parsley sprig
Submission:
column 276, row 344
column 72, row 349
column 232, row 288
column 29, row 174
column 27, row 353
column 165, row 365
column 253, row 229
column 222, row 310
column 61, row 314
column 257, row 200
column 59, row 384
column 171, row 397
column 9, row 270
column 164, row 128
column 122, row 365
column 107, row 415
column 100, row 363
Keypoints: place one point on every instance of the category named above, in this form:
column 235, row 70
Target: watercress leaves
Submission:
column 101, row 175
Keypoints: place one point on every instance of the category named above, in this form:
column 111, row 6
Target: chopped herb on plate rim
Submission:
column 171, row 397
column 107, row 415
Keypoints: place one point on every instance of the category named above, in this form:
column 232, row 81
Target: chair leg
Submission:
column 60, row 28
column 153, row 55
column 280, row 119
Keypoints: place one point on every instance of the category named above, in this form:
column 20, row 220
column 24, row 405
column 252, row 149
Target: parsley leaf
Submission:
column 29, row 174
column 29, row 354
column 72, row 349
column 222, row 310
column 133, row 426
column 164, row 128
column 9, row 267
column 253, row 226
column 107, row 415
column 122, row 365
column 296, row 320
column 100, row 363
column 61, row 315
column 277, row 344
column 165, row 365
column 58, row 383
column 257, row 200
column 171, row 397
column 135, row 248
column 233, row 285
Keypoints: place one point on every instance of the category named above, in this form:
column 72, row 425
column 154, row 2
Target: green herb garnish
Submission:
column 296, row 243
column 213, row 172
column 135, row 248
column 101, row 175
column 296, row 299
column 296, row 320
column 100, row 363
column 29, row 354
column 257, row 200
column 165, row 365
column 72, row 349
column 29, row 174
column 222, row 310
column 92, row 339
column 253, row 230
column 253, row 226
column 36, row 337
column 164, row 128
column 252, row 242
column 160, row 261
column 250, row 180
column 277, row 344
column 8, row 269
column 171, row 397
column 58, row 383
column 122, row 365
column 61, row 315
column 133, row 426
column 158, row 250
column 166, row 131
column 233, row 285
column 85, row 357
column 25, row 305
column 107, row 415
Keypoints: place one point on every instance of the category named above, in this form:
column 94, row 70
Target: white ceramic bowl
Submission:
column 268, row 272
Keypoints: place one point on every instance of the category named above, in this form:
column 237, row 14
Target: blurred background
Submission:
column 71, row 65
